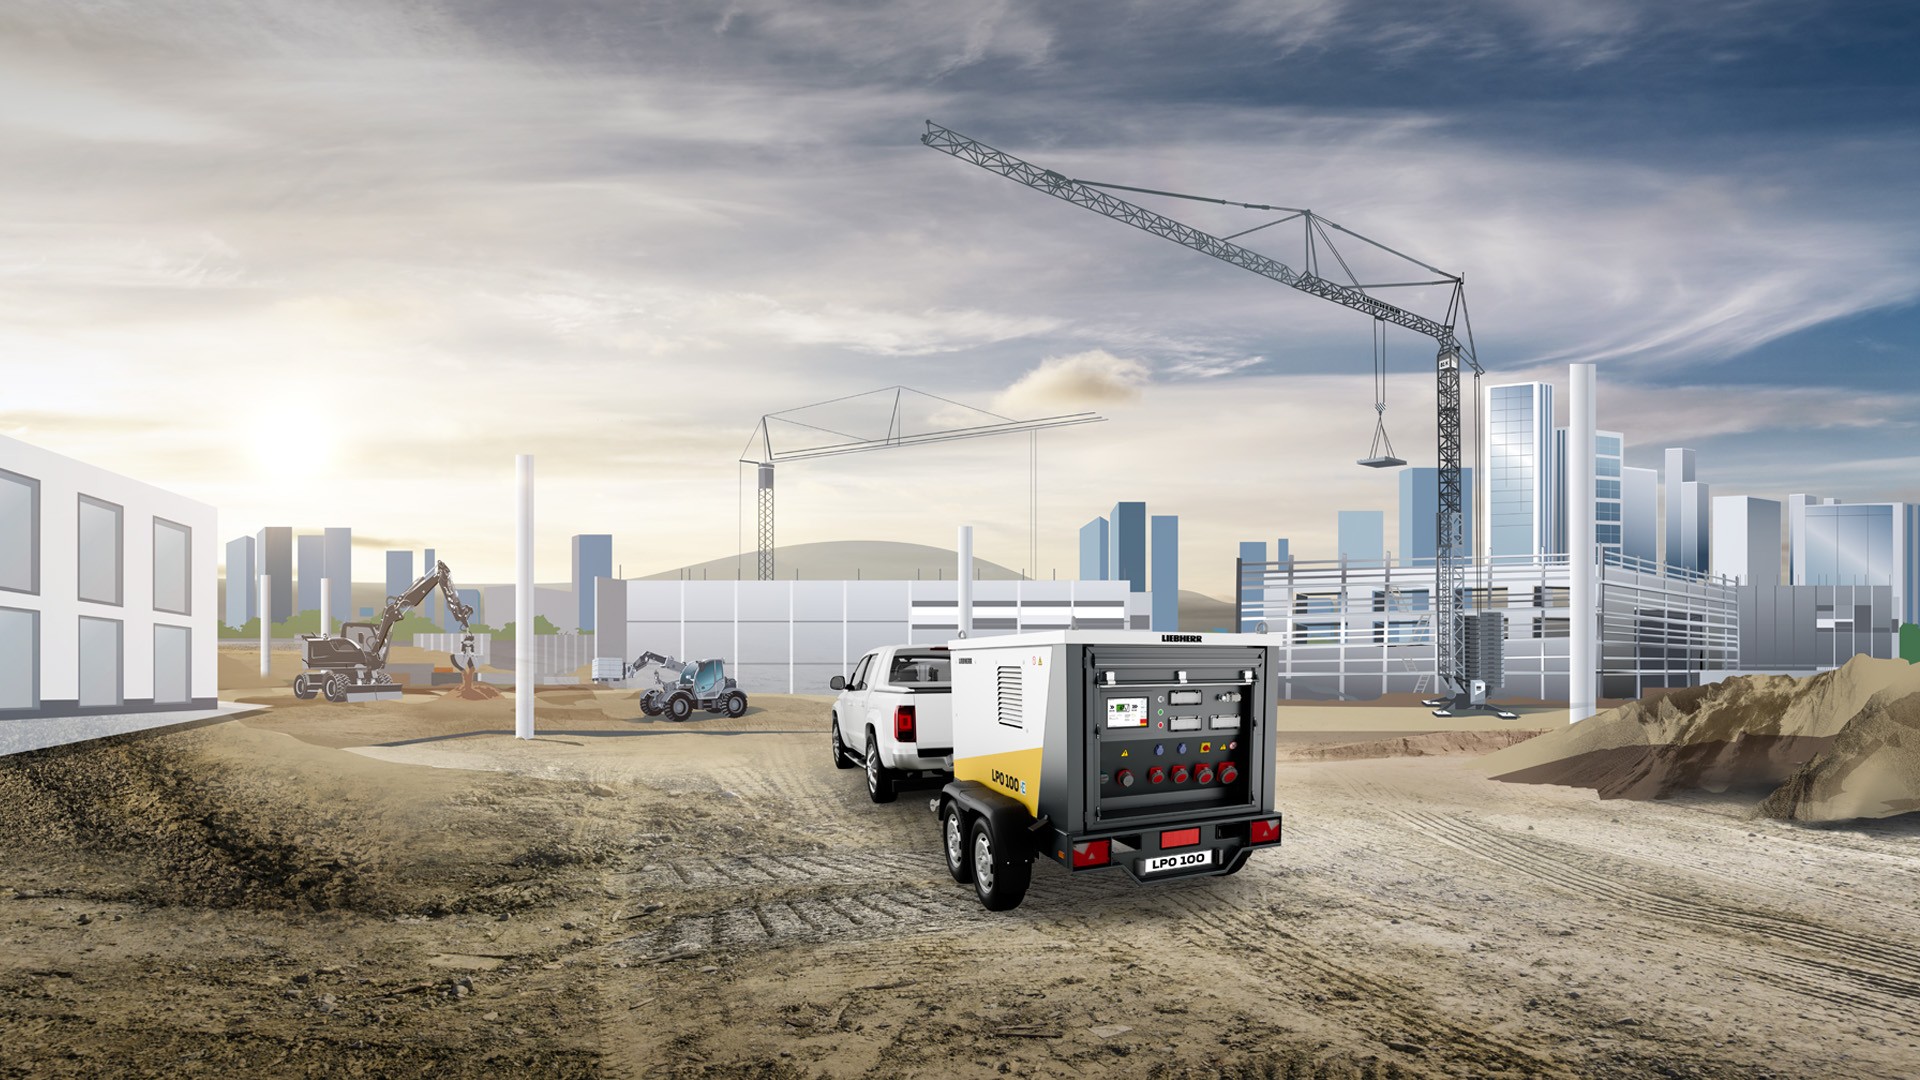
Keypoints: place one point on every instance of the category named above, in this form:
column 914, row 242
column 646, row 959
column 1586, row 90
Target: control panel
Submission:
column 1169, row 738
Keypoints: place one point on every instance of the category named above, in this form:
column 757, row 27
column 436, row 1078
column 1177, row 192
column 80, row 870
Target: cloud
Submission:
column 1081, row 380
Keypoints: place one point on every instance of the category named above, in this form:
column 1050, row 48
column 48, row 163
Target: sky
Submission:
column 326, row 263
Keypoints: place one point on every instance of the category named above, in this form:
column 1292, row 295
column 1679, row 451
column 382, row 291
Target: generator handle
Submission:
column 1176, row 685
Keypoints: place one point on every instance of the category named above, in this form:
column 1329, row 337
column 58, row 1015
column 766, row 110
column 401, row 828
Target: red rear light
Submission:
column 1264, row 832
column 903, row 723
column 1179, row 838
column 1092, row 853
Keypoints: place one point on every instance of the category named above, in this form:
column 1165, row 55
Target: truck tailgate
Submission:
column 933, row 718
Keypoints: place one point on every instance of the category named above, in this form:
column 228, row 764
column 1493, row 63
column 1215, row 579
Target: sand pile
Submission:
column 1871, row 770
column 1747, row 734
column 1426, row 745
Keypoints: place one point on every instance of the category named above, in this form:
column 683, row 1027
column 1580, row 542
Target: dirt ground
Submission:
column 402, row 889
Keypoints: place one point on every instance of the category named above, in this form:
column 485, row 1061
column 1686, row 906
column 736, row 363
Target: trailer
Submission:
column 1101, row 749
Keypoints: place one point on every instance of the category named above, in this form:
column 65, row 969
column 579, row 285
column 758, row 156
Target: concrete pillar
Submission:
column 326, row 606
column 1583, row 619
column 523, row 677
column 266, row 627
column 965, row 582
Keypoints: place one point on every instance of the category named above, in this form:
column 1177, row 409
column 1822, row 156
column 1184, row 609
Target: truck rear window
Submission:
column 921, row 670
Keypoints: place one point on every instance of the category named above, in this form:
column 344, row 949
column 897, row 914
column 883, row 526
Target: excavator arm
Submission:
column 646, row 658
column 416, row 594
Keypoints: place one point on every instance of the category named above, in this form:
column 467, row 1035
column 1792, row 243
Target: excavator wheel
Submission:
column 736, row 704
column 679, row 707
column 335, row 688
column 302, row 691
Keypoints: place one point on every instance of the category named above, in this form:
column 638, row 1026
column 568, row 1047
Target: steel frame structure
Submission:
column 1449, row 564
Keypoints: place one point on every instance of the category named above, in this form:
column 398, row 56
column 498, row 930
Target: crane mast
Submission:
column 1449, row 562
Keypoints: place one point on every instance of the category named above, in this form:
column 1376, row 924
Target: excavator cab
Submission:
column 707, row 677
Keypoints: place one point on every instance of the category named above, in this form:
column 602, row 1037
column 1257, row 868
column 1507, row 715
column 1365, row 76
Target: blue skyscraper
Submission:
column 1282, row 551
column 1420, row 516
column 1519, row 480
column 310, row 565
column 592, row 558
column 273, row 556
column 1689, row 515
column 1363, row 536
column 1127, row 545
column 243, row 582
column 1865, row 544
column 339, row 548
column 431, row 609
column 399, row 572
column 1166, row 572
column 1093, row 550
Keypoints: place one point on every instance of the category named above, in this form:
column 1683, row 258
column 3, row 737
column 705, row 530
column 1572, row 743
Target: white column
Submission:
column 266, row 626
column 523, row 677
column 1582, row 619
column 964, row 583
column 326, row 606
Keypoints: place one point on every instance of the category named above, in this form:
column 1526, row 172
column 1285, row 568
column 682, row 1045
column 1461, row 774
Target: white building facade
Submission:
column 107, row 591
column 1746, row 539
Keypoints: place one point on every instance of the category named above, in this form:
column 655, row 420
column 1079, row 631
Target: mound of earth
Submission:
column 1431, row 743
column 1872, row 769
column 1749, row 733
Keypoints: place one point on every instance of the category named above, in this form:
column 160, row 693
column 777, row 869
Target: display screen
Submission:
column 1186, row 697
column 1127, row 712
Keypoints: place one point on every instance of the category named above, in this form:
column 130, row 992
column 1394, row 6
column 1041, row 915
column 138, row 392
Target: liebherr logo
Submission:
column 1179, row 637
column 1010, row 782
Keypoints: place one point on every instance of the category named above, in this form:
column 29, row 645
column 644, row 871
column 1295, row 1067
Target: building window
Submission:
column 172, row 567
column 1606, row 446
column 19, row 659
column 19, row 533
column 1606, row 489
column 1606, row 511
column 1606, row 466
column 1606, row 534
column 101, row 571
column 172, row 665
column 101, row 669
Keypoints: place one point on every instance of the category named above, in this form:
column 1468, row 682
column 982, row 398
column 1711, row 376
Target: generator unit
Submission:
column 1098, row 749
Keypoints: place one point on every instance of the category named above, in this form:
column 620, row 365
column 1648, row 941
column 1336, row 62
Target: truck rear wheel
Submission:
column 953, row 839
column 736, row 704
column 880, row 779
column 679, row 707
column 1000, row 874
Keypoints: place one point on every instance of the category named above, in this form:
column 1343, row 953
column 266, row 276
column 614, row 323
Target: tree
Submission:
column 541, row 625
column 1910, row 643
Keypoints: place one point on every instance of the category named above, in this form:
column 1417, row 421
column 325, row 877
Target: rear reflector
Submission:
column 1264, row 832
column 903, row 723
column 1092, row 853
column 1179, row 838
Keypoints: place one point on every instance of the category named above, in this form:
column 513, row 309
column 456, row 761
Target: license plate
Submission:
column 1183, row 861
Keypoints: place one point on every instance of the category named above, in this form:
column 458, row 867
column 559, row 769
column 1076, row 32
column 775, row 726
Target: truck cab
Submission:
column 894, row 717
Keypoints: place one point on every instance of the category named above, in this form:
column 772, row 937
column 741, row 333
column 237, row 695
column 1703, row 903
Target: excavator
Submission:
column 702, row 683
column 352, row 663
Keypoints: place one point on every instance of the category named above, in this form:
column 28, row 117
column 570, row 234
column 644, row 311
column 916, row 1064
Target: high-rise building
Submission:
column 399, row 572
column 431, row 609
column 1166, row 572
column 273, row 557
column 243, row 582
column 1640, row 515
column 310, row 558
column 1797, row 534
column 471, row 598
column 1127, row 544
column 1518, row 487
column 1865, row 544
column 1420, row 515
column 1689, row 514
column 1608, row 459
column 1282, row 551
column 1746, row 539
column 592, row 558
column 1093, row 550
column 339, row 573
column 1252, row 552
column 1363, row 536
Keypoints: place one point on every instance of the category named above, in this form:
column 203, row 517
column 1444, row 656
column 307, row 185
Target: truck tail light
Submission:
column 1264, row 832
column 1092, row 853
column 1177, row 838
column 903, row 723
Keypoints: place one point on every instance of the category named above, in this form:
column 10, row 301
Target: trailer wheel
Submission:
column 301, row 690
column 679, row 707
column 1000, row 876
column 736, row 704
column 335, row 688
column 840, row 758
column 953, row 839
column 880, row 779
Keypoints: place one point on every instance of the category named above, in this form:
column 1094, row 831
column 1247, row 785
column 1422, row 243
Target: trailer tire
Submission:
column 302, row 691
column 736, row 704
column 1000, row 874
column 881, row 781
column 953, row 840
column 840, row 758
column 679, row 707
column 335, row 688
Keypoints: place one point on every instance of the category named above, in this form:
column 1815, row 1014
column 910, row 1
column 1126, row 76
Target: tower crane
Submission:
column 896, row 435
column 1455, row 348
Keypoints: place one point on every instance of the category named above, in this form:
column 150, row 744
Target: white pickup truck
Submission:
column 895, row 716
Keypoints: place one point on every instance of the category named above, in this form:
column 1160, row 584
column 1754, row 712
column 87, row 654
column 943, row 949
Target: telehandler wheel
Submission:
column 953, row 837
column 840, row 758
column 679, row 707
column 302, row 691
column 736, row 704
column 335, row 688
column 1000, row 874
column 880, row 779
